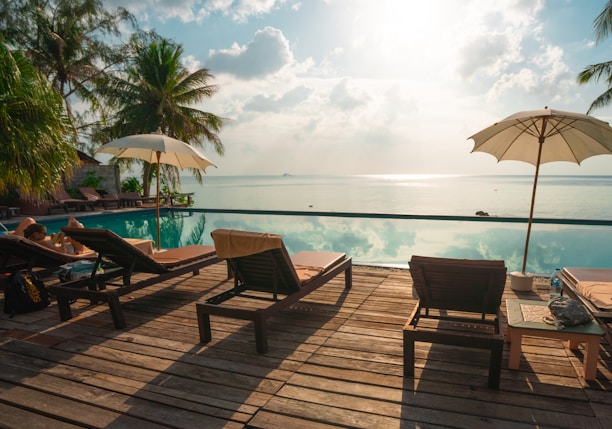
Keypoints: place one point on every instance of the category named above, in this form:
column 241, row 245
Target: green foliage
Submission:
column 600, row 71
column 158, row 91
column 131, row 184
column 67, row 40
column 35, row 152
column 92, row 180
column 74, row 193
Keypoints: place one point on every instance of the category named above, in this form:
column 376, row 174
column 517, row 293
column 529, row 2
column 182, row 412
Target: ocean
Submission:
column 571, row 197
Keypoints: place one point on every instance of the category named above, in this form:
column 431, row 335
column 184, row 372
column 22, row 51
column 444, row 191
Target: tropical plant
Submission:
column 157, row 92
column 92, row 180
column 596, row 72
column 131, row 184
column 67, row 40
column 35, row 153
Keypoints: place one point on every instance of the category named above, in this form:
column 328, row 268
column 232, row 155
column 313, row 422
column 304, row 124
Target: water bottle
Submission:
column 555, row 285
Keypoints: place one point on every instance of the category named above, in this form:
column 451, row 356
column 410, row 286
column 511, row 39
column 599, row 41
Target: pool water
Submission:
column 372, row 240
column 177, row 228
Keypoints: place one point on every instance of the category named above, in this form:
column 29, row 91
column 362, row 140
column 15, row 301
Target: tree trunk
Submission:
column 146, row 179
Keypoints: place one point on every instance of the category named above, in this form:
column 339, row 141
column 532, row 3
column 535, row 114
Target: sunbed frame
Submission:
column 272, row 271
column 127, row 260
column 570, row 277
column 459, row 304
column 17, row 253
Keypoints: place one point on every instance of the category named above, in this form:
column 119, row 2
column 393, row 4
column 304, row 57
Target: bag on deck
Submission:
column 77, row 270
column 25, row 292
column 567, row 312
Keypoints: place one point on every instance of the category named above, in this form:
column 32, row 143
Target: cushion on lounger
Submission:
column 599, row 293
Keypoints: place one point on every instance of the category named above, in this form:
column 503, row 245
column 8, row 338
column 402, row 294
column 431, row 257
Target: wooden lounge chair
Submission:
column 62, row 197
column 128, row 260
column 107, row 200
column 593, row 288
column 17, row 253
column 264, row 272
column 459, row 304
column 130, row 199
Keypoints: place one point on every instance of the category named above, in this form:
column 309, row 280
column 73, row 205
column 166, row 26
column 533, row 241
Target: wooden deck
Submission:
column 335, row 360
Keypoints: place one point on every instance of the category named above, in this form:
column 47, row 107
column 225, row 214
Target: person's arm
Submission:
column 56, row 243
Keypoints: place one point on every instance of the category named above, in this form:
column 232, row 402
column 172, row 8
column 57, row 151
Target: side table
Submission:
column 525, row 318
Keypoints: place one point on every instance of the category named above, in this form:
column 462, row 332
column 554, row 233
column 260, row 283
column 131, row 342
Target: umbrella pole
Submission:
column 533, row 194
column 157, row 204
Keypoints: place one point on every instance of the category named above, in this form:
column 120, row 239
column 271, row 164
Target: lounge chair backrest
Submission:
column 259, row 260
column 89, row 193
column 113, row 247
column 459, row 284
column 61, row 195
column 16, row 250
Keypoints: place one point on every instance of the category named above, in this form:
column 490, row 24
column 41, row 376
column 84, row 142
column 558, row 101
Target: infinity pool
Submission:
column 376, row 240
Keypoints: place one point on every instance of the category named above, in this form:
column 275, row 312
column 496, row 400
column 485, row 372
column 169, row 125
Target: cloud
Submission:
column 263, row 103
column 346, row 98
column 266, row 54
column 488, row 52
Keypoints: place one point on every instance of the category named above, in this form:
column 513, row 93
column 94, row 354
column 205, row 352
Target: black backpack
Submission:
column 25, row 292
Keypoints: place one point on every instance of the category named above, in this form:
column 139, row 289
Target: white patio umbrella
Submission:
column 540, row 136
column 157, row 148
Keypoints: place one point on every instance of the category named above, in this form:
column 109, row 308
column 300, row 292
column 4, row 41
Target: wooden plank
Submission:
column 335, row 360
column 52, row 404
column 13, row 417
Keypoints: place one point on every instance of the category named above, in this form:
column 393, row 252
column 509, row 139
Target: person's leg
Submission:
column 23, row 225
column 74, row 223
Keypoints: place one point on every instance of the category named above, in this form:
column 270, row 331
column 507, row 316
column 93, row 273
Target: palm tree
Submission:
column 67, row 40
column 603, row 27
column 158, row 92
column 35, row 153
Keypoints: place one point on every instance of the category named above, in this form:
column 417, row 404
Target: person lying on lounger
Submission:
column 38, row 233
column 72, row 222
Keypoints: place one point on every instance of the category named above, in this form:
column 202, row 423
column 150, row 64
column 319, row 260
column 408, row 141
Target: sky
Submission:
column 381, row 87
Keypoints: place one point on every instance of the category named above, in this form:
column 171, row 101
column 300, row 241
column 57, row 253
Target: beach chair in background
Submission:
column 127, row 260
column 106, row 200
column 459, row 305
column 61, row 196
column 131, row 199
column 264, row 272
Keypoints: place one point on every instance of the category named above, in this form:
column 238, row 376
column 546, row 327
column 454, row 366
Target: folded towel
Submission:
column 234, row 243
column 305, row 274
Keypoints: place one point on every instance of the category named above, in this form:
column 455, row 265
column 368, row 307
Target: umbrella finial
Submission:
column 159, row 131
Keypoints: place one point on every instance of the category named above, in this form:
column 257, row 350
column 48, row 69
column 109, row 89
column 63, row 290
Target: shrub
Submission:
column 131, row 184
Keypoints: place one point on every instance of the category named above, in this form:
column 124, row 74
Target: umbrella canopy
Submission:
column 148, row 146
column 540, row 136
column 157, row 148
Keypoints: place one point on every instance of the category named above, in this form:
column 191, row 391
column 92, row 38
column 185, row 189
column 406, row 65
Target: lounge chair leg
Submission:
column 348, row 277
column 63, row 305
column 497, row 350
column 408, row 355
column 203, row 325
column 116, row 312
column 261, row 335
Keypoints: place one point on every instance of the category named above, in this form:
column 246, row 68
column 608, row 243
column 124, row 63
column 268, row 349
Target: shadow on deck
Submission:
column 335, row 360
